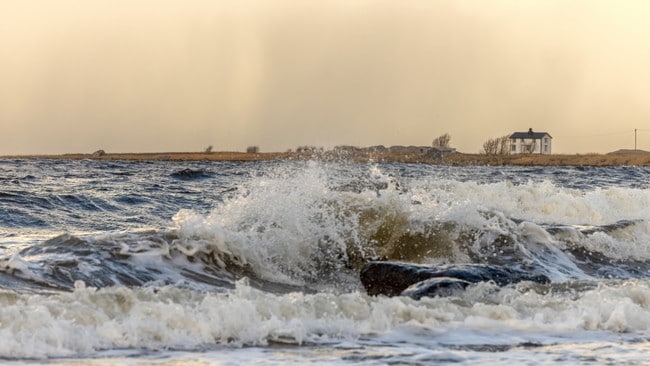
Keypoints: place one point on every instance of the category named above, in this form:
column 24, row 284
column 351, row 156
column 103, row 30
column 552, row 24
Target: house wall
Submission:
column 531, row 146
column 547, row 145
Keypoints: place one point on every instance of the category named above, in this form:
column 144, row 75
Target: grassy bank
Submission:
column 612, row 159
column 623, row 159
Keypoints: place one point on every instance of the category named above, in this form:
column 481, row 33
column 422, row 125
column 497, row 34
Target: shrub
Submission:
column 441, row 141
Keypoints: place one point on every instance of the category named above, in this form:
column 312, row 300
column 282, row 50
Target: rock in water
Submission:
column 437, row 286
column 189, row 174
column 394, row 278
column 391, row 278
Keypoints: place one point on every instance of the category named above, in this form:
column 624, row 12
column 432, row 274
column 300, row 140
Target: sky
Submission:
column 163, row 75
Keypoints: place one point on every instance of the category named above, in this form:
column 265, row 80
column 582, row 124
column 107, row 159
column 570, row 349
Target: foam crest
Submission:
column 541, row 202
column 632, row 242
column 89, row 320
column 294, row 224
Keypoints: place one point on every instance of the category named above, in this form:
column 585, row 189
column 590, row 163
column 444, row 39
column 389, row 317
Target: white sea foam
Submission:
column 541, row 202
column 89, row 320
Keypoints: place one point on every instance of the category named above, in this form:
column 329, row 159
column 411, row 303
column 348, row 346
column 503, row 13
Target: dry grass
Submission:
column 617, row 159
column 632, row 159
column 172, row 156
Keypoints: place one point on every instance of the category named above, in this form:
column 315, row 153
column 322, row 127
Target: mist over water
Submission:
column 201, row 258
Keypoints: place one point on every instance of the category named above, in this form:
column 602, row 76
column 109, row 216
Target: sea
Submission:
column 257, row 263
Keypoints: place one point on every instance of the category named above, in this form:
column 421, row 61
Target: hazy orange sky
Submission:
column 160, row 75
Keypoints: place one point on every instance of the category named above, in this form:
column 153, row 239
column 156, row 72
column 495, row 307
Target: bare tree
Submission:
column 441, row 141
column 504, row 145
column 208, row 149
column 497, row 146
column 490, row 146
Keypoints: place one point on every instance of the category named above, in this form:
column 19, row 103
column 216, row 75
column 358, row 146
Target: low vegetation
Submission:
column 631, row 158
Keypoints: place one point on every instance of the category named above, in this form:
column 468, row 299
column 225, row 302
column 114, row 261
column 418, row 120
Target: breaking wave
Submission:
column 310, row 227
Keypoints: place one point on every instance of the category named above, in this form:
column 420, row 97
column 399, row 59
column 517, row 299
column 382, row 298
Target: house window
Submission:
column 513, row 148
column 545, row 147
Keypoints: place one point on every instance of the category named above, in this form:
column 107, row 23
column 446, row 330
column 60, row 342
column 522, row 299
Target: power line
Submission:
column 601, row 135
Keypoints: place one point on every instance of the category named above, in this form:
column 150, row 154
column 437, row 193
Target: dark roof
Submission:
column 529, row 135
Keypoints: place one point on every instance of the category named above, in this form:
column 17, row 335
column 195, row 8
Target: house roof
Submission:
column 529, row 135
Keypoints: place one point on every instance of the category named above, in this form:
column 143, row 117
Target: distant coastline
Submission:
column 618, row 158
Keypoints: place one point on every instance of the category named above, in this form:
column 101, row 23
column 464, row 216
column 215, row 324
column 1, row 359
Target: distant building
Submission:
column 409, row 149
column 439, row 152
column 530, row 143
column 346, row 149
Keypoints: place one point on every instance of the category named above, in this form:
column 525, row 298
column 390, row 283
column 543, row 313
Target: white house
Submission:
column 530, row 142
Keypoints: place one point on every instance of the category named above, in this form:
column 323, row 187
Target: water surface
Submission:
column 257, row 262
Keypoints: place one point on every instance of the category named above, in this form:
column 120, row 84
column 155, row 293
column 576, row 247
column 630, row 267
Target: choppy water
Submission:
column 225, row 263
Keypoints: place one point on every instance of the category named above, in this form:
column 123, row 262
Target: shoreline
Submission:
column 457, row 158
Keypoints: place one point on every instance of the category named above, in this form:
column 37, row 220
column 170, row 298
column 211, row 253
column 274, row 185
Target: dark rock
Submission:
column 190, row 174
column 393, row 278
column 437, row 286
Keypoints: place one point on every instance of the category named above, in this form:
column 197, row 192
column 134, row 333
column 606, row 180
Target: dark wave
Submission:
column 189, row 174
column 129, row 259
column 164, row 258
